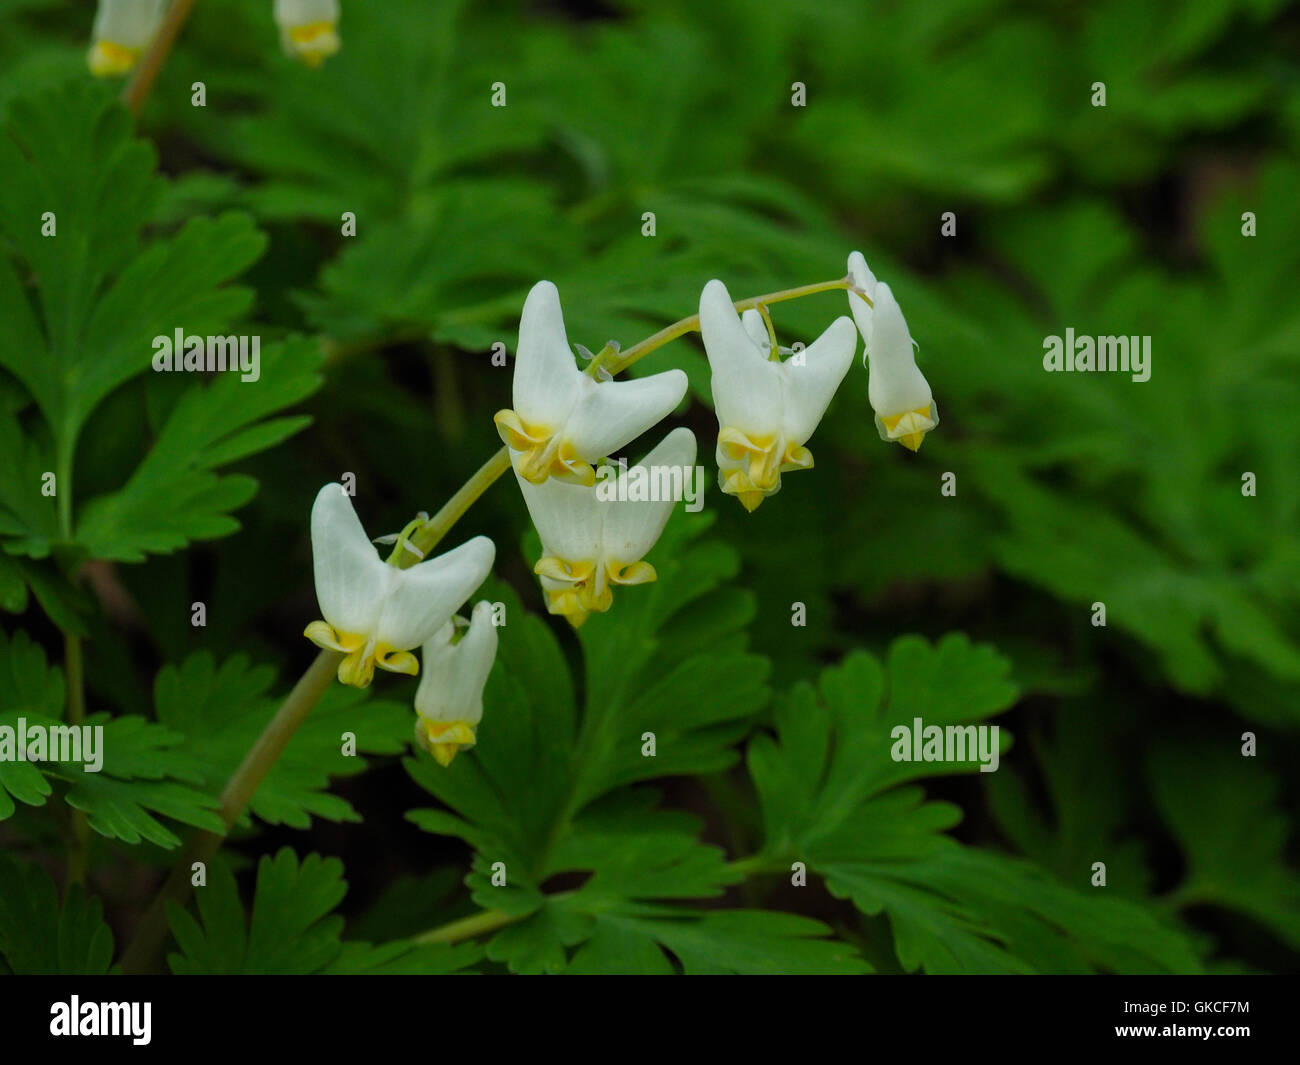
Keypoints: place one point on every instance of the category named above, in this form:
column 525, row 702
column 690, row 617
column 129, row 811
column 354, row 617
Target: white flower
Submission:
column 122, row 31
column 898, row 391
column 767, row 409
column 449, row 700
column 375, row 613
column 308, row 29
column 563, row 420
column 596, row 537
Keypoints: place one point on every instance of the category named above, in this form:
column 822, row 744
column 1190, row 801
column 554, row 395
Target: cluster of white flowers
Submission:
column 564, row 423
column 376, row 614
column 123, row 29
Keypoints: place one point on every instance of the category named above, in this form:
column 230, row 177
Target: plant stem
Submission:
column 426, row 539
column 150, row 934
column 754, row 865
column 692, row 324
column 79, row 844
column 146, row 72
column 468, row 927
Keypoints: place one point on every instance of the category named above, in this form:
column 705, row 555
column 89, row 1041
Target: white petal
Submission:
column 567, row 517
column 756, row 327
column 421, row 599
column 547, row 380
column 862, row 276
column 290, row 13
column 131, row 23
column 611, row 414
column 746, row 386
column 811, row 385
column 350, row 576
column 895, row 384
column 452, row 676
column 632, row 527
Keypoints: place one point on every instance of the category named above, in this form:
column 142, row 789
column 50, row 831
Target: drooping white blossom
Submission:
column 376, row 613
column 308, row 29
column 123, row 29
column 449, row 700
column 596, row 537
column 767, row 409
column 563, row 420
column 898, row 391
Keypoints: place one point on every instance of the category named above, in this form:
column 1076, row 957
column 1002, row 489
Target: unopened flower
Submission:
column 767, row 409
column 122, row 31
column 449, row 701
column 308, row 29
column 898, row 391
column 596, row 537
column 375, row 613
column 564, row 421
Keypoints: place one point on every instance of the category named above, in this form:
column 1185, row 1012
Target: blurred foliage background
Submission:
column 1072, row 489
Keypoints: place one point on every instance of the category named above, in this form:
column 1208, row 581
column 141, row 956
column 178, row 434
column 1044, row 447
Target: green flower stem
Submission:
column 142, row 954
column 692, row 324
column 137, row 89
column 427, row 538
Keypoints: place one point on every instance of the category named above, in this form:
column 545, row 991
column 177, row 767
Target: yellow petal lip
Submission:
column 444, row 739
column 108, row 59
column 541, row 454
column 909, row 427
column 312, row 42
column 360, row 656
column 751, row 466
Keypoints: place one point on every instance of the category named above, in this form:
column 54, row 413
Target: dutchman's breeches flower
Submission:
column 596, row 537
column 122, row 31
column 564, row 421
column 375, row 613
column 767, row 409
column 898, row 391
column 308, row 29
column 449, row 701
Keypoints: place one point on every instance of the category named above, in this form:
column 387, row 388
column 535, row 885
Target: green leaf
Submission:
column 827, row 785
column 41, row 937
column 85, row 324
column 1224, row 810
column 141, row 771
column 176, row 495
column 290, row 931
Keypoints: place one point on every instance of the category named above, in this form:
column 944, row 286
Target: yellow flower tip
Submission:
column 313, row 42
column 107, row 59
column 577, row 618
column 357, row 670
column 909, row 427
column 750, row 500
column 444, row 739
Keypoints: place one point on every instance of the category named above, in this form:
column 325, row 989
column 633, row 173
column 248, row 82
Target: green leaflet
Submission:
column 39, row 935
column 289, row 928
column 144, row 775
column 828, row 788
